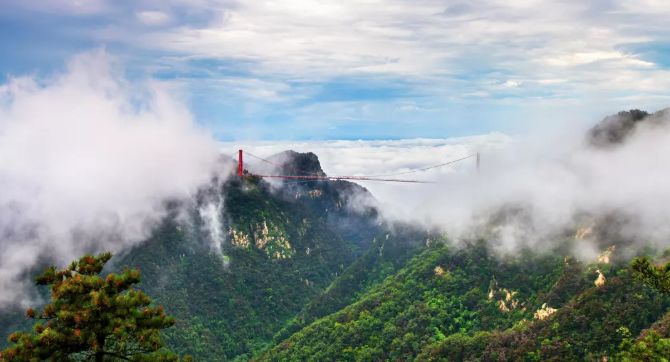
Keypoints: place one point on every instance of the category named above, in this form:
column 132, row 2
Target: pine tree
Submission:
column 91, row 318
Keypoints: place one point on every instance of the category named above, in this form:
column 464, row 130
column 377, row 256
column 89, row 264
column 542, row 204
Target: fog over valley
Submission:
column 376, row 180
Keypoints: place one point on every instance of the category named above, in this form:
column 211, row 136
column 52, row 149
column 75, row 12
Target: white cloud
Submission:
column 381, row 157
column 153, row 18
column 428, row 42
column 554, row 176
column 69, row 7
column 582, row 58
column 86, row 160
column 581, row 43
column 511, row 83
column 450, row 51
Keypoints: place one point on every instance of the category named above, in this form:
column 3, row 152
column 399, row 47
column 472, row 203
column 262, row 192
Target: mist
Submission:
column 89, row 157
column 531, row 191
column 87, row 160
column 546, row 187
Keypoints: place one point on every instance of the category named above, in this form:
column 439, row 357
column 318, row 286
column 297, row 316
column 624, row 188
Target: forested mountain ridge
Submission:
column 257, row 270
column 284, row 246
column 237, row 262
column 531, row 306
column 467, row 304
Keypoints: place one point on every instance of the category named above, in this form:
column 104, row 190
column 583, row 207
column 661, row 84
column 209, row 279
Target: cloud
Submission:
column 526, row 55
column 409, row 38
column 87, row 159
column 153, row 18
column 511, row 84
column 252, row 62
column 67, row 7
column 377, row 157
column 575, row 59
column 530, row 191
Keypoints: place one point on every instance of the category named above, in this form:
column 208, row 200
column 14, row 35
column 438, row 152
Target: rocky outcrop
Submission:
column 616, row 129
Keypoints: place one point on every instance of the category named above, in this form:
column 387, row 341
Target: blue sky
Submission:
column 296, row 69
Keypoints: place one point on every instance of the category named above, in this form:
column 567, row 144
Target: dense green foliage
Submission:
column 306, row 272
column 438, row 294
column 481, row 307
column 289, row 245
column 589, row 327
column 658, row 277
column 387, row 254
column 91, row 318
column 230, row 305
column 653, row 344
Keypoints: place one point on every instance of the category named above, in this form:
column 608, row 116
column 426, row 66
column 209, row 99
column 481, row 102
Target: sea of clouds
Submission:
column 528, row 191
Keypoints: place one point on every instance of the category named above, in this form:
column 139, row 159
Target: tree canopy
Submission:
column 656, row 276
column 92, row 318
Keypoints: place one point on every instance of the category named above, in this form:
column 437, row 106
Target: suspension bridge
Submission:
column 313, row 176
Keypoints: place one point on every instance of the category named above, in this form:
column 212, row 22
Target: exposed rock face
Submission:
column 238, row 238
column 604, row 257
column 507, row 301
column 614, row 130
column 600, row 281
column 273, row 240
column 544, row 312
column 267, row 237
column 299, row 164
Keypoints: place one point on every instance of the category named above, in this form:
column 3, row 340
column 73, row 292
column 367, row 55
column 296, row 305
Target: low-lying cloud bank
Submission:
column 87, row 159
column 542, row 190
column 529, row 191
column 380, row 157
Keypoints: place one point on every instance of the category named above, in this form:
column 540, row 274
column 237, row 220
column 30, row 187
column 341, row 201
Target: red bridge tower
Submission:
column 240, row 164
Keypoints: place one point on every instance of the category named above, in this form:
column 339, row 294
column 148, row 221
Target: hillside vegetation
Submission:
column 306, row 271
column 466, row 304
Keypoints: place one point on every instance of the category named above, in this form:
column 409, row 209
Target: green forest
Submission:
column 302, row 277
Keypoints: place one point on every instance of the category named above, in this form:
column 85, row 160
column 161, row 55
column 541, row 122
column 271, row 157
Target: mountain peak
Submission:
column 615, row 129
column 298, row 163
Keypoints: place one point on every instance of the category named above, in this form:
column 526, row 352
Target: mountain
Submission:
column 283, row 247
column 615, row 129
column 271, row 270
column 242, row 258
column 468, row 304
